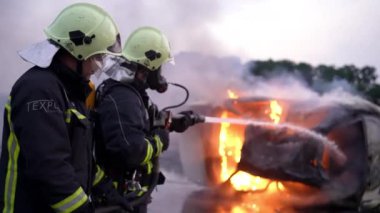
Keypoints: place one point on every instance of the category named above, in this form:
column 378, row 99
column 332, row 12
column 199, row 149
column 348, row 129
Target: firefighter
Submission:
column 46, row 161
column 131, row 136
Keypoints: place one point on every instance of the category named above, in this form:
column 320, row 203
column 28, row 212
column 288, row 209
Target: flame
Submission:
column 230, row 144
column 245, row 208
column 229, row 149
column 232, row 95
column 276, row 111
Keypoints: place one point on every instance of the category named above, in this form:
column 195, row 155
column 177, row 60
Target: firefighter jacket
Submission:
column 126, row 140
column 46, row 158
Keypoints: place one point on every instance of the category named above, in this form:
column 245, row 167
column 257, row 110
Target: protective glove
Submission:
column 153, row 113
column 105, row 194
column 157, row 118
column 183, row 120
column 163, row 134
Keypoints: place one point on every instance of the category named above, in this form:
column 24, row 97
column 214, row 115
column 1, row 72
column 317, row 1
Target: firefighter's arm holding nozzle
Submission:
column 178, row 122
column 183, row 120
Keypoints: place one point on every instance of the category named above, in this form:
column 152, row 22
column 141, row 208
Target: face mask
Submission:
column 156, row 81
column 97, row 64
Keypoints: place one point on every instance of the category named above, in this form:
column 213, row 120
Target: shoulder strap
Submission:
column 104, row 88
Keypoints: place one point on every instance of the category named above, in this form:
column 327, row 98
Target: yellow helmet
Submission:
column 85, row 30
column 147, row 46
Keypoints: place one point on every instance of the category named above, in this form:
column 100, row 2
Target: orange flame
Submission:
column 230, row 144
column 245, row 208
column 229, row 149
column 276, row 111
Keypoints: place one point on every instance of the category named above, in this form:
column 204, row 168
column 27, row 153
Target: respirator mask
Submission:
column 156, row 81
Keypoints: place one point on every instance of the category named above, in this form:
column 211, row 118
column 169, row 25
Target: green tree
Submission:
column 306, row 71
column 362, row 79
column 374, row 93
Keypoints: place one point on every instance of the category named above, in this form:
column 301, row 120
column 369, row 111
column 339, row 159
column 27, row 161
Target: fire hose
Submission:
column 163, row 118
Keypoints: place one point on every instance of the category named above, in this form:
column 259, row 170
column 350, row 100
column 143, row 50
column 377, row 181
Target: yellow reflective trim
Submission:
column 159, row 144
column 149, row 152
column 13, row 153
column 8, row 207
column 78, row 114
column 98, row 176
column 14, row 182
column 142, row 191
column 72, row 111
column 115, row 184
column 68, row 116
column 78, row 204
column 72, row 202
column 149, row 167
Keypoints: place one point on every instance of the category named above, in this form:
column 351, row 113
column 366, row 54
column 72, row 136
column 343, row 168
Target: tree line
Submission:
column 361, row 79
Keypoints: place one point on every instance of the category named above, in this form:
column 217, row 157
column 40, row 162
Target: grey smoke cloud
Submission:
column 207, row 78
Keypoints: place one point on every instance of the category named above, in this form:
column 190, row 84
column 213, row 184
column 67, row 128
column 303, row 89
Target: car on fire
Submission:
column 320, row 155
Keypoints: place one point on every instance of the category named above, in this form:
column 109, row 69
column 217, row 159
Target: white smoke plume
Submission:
column 208, row 78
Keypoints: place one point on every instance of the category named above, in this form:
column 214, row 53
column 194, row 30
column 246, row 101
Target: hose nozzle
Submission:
column 198, row 118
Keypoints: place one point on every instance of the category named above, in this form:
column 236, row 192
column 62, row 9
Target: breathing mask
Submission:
column 156, row 81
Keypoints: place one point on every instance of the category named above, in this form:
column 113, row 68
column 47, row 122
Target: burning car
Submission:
column 297, row 156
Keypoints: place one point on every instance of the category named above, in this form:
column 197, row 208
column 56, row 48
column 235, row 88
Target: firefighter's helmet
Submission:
column 147, row 46
column 85, row 30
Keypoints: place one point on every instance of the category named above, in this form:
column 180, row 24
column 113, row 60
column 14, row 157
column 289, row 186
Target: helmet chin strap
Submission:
column 79, row 68
column 141, row 78
column 141, row 75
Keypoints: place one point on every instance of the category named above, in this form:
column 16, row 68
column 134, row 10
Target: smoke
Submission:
column 176, row 187
column 187, row 25
column 285, row 86
column 289, row 87
column 207, row 78
column 184, row 22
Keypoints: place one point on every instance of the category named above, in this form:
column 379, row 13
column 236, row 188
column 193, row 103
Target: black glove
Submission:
column 184, row 120
column 105, row 194
column 164, row 137
column 153, row 112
